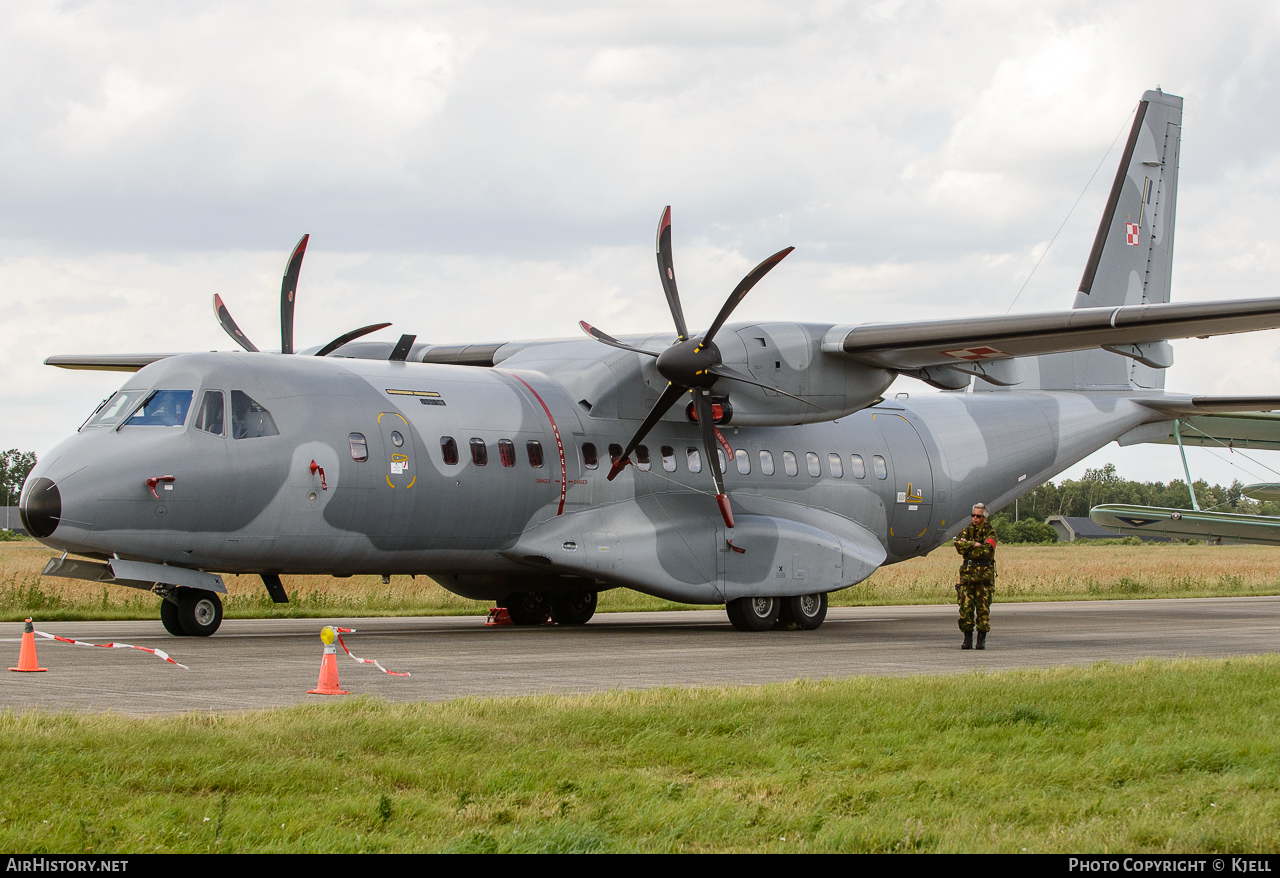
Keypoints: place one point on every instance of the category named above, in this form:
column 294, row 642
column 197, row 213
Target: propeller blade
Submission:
column 665, row 402
column 288, row 292
column 667, row 271
column 608, row 339
column 720, row 370
column 735, row 298
column 350, row 336
column 224, row 317
column 707, row 427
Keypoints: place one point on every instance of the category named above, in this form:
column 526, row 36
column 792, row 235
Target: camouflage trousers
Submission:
column 975, row 605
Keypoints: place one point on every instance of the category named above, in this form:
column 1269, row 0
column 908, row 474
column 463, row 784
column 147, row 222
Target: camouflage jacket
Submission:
column 977, row 545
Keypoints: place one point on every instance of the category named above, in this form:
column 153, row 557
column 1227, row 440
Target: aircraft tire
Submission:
column 527, row 607
column 574, row 608
column 199, row 611
column 754, row 614
column 169, row 618
column 807, row 611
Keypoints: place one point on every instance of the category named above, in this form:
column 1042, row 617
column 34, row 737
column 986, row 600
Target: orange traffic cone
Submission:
column 27, row 653
column 328, row 682
column 498, row 616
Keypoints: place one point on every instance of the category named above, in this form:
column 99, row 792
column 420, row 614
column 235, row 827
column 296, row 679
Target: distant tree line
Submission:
column 15, row 465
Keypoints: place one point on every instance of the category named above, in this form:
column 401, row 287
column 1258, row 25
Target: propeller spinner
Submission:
column 288, row 297
column 691, row 365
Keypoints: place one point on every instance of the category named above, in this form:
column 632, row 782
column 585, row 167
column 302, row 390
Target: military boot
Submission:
column 982, row 640
column 968, row 640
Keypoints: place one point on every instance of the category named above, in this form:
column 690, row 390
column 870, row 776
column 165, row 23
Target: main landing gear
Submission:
column 762, row 613
column 191, row 612
column 535, row 607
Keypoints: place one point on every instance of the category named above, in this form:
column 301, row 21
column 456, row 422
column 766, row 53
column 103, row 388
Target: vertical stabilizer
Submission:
column 1132, row 254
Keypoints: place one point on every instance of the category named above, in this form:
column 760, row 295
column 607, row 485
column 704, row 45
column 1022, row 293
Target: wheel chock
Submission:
column 498, row 616
column 328, row 682
column 27, row 652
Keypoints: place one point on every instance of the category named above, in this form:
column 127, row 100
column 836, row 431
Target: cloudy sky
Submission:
column 495, row 170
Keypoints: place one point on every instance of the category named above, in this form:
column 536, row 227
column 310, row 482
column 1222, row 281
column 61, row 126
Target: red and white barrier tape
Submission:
column 156, row 652
column 363, row 661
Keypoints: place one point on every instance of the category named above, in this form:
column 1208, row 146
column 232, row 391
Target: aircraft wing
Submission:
column 1186, row 524
column 105, row 362
column 924, row 343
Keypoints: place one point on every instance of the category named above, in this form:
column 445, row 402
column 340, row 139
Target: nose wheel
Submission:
column 807, row 612
column 191, row 612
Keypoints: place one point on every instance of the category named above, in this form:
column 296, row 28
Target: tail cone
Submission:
column 328, row 682
column 27, row 653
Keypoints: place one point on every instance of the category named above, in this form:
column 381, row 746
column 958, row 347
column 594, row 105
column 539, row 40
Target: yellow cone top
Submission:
column 327, row 635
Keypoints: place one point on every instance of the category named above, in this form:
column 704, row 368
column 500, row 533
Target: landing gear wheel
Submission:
column 806, row 610
column 527, row 607
column 753, row 614
column 574, row 608
column 199, row 611
column 169, row 618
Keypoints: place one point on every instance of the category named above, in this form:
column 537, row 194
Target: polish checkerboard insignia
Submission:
column 1131, row 234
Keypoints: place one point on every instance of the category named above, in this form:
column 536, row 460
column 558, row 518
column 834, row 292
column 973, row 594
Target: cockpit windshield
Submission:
column 115, row 408
column 163, row 408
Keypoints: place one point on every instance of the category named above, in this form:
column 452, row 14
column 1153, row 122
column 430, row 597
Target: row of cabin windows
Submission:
column 693, row 458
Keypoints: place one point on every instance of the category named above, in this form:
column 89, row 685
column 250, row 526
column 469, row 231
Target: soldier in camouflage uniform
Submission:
column 977, row 544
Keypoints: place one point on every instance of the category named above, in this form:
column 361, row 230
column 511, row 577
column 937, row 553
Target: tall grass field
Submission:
column 1026, row 573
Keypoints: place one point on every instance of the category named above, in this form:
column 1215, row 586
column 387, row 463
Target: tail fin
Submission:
column 1132, row 253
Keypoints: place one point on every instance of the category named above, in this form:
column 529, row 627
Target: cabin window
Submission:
column 163, row 408
column 534, row 447
column 766, row 462
column 615, row 452
column 743, row 460
column 813, row 463
column 724, row 464
column 397, row 439
column 449, row 449
column 209, row 418
column 249, row 420
column 789, row 463
column 360, row 447
column 694, row 459
column 590, row 458
column 506, row 452
column 642, row 458
column 882, row 471
column 836, row 465
column 116, row 407
column 479, row 452
column 668, row 458
column 857, row 467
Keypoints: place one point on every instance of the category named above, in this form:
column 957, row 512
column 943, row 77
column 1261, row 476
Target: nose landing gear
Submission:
column 191, row 612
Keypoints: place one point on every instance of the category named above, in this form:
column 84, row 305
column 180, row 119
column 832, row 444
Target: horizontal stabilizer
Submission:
column 920, row 344
column 1256, row 430
column 1186, row 524
column 105, row 362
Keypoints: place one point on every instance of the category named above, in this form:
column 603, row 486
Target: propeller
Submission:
column 691, row 365
column 288, row 299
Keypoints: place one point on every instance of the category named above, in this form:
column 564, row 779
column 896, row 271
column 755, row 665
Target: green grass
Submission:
column 1157, row 756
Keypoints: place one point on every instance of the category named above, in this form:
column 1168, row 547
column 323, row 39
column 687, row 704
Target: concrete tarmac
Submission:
column 252, row 664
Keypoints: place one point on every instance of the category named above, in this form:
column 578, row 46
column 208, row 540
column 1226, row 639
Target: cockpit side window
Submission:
column 249, row 420
column 163, row 408
column 209, row 418
column 119, row 405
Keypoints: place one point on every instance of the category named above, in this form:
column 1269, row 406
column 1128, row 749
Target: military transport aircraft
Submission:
column 754, row 465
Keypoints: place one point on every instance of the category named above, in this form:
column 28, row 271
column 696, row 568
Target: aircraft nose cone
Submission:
column 41, row 508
